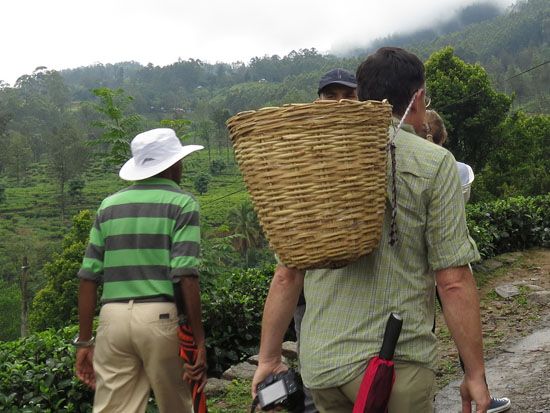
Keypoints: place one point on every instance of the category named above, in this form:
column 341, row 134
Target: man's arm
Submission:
column 190, row 289
column 279, row 308
column 458, row 292
column 87, row 299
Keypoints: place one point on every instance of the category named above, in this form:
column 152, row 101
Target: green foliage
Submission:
column 37, row 375
column 180, row 126
column 510, row 225
column 75, row 188
column 520, row 163
column 204, row 130
column 119, row 129
column 16, row 155
column 55, row 305
column 245, row 225
column 235, row 398
column 217, row 255
column 232, row 311
column 67, row 157
column 472, row 110
column 217, row 166
column 506, row 46
column 2, row 193
column 201, row 183
column 10, row 306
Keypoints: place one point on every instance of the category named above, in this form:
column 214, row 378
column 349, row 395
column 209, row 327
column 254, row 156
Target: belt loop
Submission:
column 130, row 304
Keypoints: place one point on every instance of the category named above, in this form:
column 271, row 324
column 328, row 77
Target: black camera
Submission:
column 283, row 389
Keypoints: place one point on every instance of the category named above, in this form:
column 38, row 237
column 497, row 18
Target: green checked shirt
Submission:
column 347, row 308
column 143, row 238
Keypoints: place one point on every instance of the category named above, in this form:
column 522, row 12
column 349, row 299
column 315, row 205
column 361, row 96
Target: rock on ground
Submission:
column 520, row 373
column 240, row 371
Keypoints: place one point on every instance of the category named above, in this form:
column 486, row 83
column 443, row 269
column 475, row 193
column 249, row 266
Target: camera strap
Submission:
column 254, row 404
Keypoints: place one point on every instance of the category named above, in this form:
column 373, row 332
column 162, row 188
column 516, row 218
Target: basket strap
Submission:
column 391, row 149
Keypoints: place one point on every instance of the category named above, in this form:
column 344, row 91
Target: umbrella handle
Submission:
column 391, row 335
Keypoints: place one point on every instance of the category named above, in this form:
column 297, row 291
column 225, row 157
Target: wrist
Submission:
column 78, row 343
column 476, row 375
column 270, row 360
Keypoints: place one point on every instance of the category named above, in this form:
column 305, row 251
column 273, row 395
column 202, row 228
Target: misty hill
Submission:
column 472, row 14
column 506, row 44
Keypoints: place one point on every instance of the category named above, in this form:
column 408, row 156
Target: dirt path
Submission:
column 516, row 335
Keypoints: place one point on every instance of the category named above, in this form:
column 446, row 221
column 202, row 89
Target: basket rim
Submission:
column 349, row 103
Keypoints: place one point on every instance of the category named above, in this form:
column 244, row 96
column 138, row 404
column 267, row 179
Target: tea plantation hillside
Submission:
column 31, row 215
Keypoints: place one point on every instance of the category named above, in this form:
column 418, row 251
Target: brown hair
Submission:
column 436, row 131
column 390, row 73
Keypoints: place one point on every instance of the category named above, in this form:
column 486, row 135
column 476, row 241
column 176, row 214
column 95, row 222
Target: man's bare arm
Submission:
column 458, row 292
column 87, row 299
column 190, row 289
column 279, row 308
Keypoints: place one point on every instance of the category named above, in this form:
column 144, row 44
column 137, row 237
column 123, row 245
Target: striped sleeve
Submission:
column 184, row 255
column 92, row 263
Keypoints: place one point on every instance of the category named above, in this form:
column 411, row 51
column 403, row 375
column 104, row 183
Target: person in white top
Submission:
column 435, row 131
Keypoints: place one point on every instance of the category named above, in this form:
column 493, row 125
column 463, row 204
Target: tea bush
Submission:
column 232, row 314
column 37, row 375
column 510, row 225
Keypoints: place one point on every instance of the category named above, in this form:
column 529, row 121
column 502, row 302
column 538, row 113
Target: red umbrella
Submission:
column 375, row 390
column 188, row 352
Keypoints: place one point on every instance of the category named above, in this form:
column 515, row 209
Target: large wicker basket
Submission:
column 316, row 173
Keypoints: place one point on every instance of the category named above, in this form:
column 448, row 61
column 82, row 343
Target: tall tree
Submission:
column 23, row 248
column 6, row 110
column 181, row 127
column 204, row 130
column 119, row 128
column 472, row 109
column 246, row 227
column 67, row 156
column 520, row 165
column 16, row 155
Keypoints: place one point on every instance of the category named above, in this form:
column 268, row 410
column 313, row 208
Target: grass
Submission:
column 236, row 398
column 521, row 299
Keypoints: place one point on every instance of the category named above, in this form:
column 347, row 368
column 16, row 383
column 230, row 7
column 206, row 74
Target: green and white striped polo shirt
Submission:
column 143, row 238
column 347, row 308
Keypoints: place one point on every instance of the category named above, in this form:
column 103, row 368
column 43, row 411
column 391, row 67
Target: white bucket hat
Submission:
column 153, row 152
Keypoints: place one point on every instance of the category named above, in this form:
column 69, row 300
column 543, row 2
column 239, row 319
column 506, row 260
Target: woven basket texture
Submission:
column 316, row 173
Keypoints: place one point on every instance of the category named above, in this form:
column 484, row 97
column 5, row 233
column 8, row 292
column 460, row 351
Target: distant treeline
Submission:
column 506, row 44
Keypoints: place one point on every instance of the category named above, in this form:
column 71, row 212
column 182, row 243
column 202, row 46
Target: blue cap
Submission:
column 337, row 76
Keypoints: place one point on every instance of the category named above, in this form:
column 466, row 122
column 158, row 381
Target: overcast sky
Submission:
column 62, row 34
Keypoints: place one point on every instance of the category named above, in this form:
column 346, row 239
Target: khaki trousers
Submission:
column 136, row 351
column 412, row 392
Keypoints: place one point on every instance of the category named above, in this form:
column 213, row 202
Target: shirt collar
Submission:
column 157, row 181
column 405, row 126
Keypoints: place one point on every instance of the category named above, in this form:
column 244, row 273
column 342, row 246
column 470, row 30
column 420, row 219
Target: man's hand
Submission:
column 85, row 366
column 477, row 391
column 197, row 371
column 265, row 369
